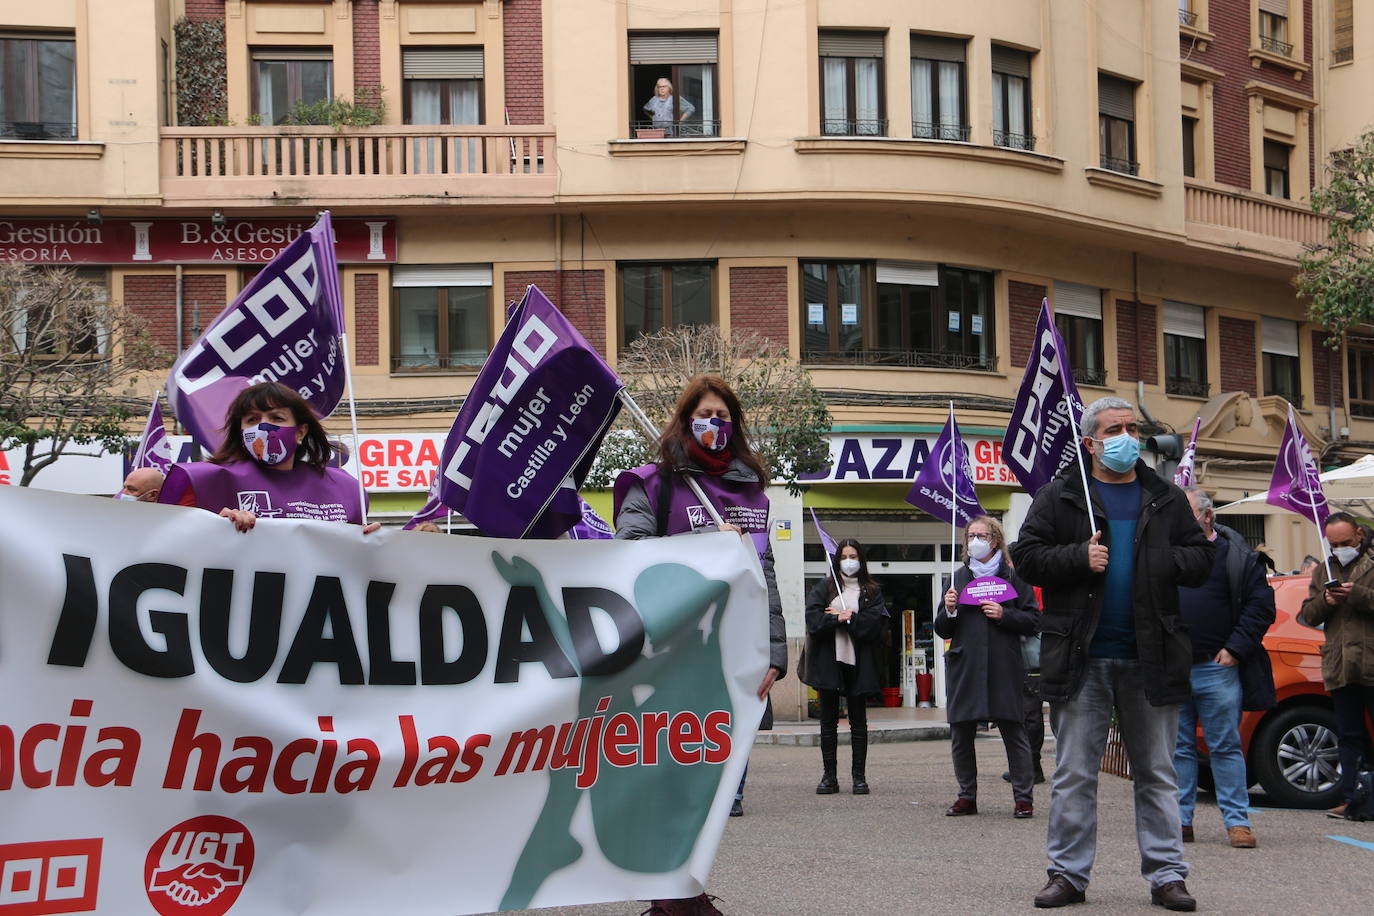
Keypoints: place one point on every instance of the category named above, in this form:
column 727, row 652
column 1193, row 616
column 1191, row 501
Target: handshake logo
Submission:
column 199, row 867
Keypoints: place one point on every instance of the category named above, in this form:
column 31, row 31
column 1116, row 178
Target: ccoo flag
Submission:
column 284, row 327
column 1295, row 485
column 154, row 448
column 528, row 432
column 944, row 485
column 826, row 540
column 1042, row 432
column 433, row 507
column 1183, row 476
column 590, row 527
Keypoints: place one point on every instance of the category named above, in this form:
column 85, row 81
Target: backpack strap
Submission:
column 665, row 499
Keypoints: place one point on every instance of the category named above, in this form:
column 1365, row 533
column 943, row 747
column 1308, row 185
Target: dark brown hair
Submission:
column 867, row 584
column 672, row 445
column 314, row 449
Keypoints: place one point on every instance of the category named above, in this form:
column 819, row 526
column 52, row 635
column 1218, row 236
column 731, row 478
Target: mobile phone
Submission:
column 1333, row 583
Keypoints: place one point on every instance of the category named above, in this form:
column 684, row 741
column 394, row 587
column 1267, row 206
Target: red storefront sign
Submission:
column 184, row 241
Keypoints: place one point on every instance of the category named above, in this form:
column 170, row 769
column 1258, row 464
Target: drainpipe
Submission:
column 180, row 304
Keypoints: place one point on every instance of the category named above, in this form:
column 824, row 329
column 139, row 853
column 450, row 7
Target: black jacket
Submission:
column 865, row 629
column 1252, row 614
column 1170, row 550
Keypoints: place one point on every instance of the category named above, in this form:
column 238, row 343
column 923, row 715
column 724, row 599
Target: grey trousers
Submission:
column 1080, row 731
column 961, row 738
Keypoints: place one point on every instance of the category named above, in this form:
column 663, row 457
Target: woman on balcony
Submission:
column 660, row 108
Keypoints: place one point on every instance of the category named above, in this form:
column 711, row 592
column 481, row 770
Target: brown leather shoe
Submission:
column 1173, row 896
column 1023, row 810
column 1187, row 833
column 1058, row 891
column 1337, row 812
column 1241, row 837
column 962, row 807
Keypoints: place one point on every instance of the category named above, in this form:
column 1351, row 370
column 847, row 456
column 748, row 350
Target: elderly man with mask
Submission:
column 142, row 484
column 1113, row 642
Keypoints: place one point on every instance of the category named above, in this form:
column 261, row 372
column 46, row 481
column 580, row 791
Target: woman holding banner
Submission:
column 274, row 462
column 844, row 631
column 984, row 671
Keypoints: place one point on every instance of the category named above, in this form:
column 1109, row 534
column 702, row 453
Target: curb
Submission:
column 932, row 731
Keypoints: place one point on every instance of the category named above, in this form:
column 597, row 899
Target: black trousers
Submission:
column 858, row 725
column 1035, row 718
column 1350, row 704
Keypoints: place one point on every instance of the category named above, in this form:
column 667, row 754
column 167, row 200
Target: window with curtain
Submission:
column 1276, row 158
column 1011, row 102
column 1116, row 124
column 1359, row 361
column 1185, row 350
column 658, row 296
column 444, row 86
column 441, row 317
column 284, row 78
column 937, row 88
column 1273, row 27
column 1078, row 316
column 1279, row 349
column 37, row 86
column 673, row 84
column 852, row 103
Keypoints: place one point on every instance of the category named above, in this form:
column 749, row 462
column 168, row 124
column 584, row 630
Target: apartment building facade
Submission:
column 886, row 189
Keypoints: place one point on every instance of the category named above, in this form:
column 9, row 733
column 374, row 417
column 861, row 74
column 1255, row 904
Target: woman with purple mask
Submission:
column 274, row 463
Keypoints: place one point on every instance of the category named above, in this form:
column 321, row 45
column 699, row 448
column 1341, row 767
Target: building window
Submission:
column 834, row 302
column 37, row 87
column 1360, row 363
column 1342, row 31
column 1186, row 14
column 852, row 103
column 937, row 88
column 1276, row 158
column 1189, row 147
column 441, row 316
column 1078, row 316
column 287, row 78
column 1185, row 350
column 443, row 86
column 1116, row 124
column 1273, row 27
column 658, row 296
column 52, row 328
column 1011, row 101
column 673, row 84
column 1279, row 344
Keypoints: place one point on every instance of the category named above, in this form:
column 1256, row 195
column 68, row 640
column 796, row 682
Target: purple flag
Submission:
column 1042, row 432
column 433, row 507
column 284, row 327
column 530, row 428
column 591, row 527
column 944, row 485
column 154, row 449
column 826, row 540
column 1183, row 476
column 1295, row 485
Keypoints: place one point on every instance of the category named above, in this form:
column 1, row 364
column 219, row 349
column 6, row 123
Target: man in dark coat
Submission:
column 1227, row 618
column 1113, row 642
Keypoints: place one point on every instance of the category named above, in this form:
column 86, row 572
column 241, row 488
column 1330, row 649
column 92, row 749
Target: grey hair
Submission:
column 1089, row 425
column 1199, row 496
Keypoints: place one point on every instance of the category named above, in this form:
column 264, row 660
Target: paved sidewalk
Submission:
column 884, row 726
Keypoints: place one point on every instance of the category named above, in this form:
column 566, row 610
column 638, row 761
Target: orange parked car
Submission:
column 1290, row 750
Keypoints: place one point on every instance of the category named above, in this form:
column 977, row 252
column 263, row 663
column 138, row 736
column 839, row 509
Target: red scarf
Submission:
column 713, row 463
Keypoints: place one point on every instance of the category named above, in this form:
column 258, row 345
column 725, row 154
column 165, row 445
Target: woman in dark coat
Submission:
column 983, row 668
column 844, row 631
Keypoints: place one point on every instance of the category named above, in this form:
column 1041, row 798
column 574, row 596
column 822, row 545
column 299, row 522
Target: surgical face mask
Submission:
column 1120, row 453
column 270, row 444
column 713, row 434
column 979, row 548
column 849, row 567
column 123, row 495
column 1345, row 555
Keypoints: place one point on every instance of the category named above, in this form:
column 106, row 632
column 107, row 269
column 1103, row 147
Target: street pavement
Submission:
column 800, row 854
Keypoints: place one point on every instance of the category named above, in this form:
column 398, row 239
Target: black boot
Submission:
column 858, row 742
column 828, row 784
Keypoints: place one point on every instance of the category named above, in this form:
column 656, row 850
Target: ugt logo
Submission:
column 199, row 866
column 55, row 876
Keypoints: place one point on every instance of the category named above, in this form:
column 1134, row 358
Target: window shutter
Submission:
column 1342, row 30
column 1115, row 97
column 851, row 44
column 1077, row 299
column 441, row 275
column 908, row 274
column 673, row 48
column 1277, row 7
column 931, row 47
column 293, row 53
column 442, row 63
column 1184, row 320
column 1010, row 61
column 1279, row 336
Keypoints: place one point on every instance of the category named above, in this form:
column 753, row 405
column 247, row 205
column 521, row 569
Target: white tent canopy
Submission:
column 1348, row 489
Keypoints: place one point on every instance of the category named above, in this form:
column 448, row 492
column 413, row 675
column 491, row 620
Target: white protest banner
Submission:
column 306, row 719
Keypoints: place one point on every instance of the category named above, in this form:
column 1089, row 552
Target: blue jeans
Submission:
column 1080, row 734
column 1216, row 701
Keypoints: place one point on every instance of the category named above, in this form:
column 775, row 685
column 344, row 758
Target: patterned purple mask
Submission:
column 713, row 434
column 270, row 444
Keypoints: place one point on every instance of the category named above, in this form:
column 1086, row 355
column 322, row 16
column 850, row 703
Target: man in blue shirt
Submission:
column 1113, row 644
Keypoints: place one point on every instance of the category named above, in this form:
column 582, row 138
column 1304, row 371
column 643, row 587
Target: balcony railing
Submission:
column 1124, row 166
column 694, row 128
column 1187, row 17
column 922, row 359
column 469, row 361
column 927, row 130
column 843, row 127
column 1012, row 140
column 1248, row 212
column 1274, row 46
column 215, row 163
column 1360, row 408
column 37, row 130
column 1185, row 387
column 1090, row 376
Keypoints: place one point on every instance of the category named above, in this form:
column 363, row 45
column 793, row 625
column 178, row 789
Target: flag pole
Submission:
column 839, row 589
column 353, row 418
column 1082, row 470
column 1321, row 541
column 651, row 433
column 953, row 496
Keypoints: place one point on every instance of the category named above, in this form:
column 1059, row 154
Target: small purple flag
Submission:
column 987, row 588
column 432, row 508
column 284, row 327
column 1296, row 485
column 1183, row 476
column 826, row 540
column 529, row 430
column 944, row 485
column 1042, row 432
column 154, row 448
column 591, row 527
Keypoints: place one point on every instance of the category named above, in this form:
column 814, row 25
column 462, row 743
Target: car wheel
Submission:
column 1294, row 758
